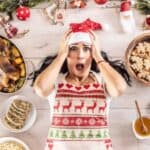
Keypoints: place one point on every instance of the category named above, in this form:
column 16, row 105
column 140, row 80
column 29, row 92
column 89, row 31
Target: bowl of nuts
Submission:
column 137, row 58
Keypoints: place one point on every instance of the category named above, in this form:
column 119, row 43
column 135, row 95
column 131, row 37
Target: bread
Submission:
column 17, row 114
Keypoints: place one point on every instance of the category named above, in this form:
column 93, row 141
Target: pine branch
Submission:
column 143, row 6
column 9, row 6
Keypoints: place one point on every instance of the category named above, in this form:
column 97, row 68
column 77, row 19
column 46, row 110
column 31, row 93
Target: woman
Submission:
column 80, row 107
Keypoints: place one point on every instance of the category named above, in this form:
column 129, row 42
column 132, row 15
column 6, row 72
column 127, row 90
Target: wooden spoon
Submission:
column 144, row 127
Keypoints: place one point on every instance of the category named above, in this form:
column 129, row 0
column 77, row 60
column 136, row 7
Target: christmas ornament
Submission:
column 100, row 2
column 9, row 6
column 10, row 30
column 126, row 17
column 143, row 6
column 23, row 13
column 77, row 3
column 56, row 12
column 147, row 22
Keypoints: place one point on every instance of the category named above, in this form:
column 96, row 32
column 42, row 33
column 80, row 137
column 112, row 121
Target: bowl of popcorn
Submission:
column 12, row 143
column 138, row 58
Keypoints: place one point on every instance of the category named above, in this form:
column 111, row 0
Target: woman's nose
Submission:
column 81, row 53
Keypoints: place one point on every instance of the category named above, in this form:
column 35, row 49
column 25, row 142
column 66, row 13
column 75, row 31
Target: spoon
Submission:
column 144, row 128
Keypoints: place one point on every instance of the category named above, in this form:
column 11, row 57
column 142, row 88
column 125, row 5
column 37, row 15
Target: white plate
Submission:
column 7, row 139
column 31, row 117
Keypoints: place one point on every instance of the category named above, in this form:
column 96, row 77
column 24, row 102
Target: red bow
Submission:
column 85, row 26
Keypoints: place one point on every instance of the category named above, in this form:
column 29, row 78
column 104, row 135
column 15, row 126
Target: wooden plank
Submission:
column 120, row 131
column 43, row 38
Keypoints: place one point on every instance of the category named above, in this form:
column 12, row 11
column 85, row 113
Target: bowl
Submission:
column 11, row 53
column 16, row 140
column 137, row 58
column 29, row 119
column 137, row 128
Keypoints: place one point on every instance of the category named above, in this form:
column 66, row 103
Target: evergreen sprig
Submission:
column 8, row 6
column 143, row 6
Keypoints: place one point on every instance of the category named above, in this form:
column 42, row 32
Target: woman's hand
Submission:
column 63, row 47
column 95, row 48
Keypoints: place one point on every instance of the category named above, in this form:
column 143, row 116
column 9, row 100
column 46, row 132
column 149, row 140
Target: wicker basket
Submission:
column 132, row 45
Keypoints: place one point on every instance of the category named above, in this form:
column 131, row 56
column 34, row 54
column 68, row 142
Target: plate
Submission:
column 7, row 139
column 11, row 56
column 30, row 119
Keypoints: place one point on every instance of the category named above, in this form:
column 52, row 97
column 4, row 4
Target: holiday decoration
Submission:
column 11, row 31
column 77, row 3
column 100, row 2
column 8, row 6
column 143, row 6
column 56, row 12
column 126, row 17
column 147, row 22
column 88, row 25
column 23, row 13
column 85, row 26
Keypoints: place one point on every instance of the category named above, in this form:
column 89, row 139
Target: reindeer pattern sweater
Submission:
column 79, row 116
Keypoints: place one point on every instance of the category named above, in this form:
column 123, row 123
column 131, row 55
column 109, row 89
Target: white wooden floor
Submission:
column 43, row 39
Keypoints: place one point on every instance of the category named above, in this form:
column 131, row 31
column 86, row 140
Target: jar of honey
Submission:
column 138, row 128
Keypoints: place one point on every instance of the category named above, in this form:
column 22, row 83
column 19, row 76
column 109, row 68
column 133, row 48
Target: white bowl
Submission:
column 7, row 139
column 137, row 135
column 31, row 117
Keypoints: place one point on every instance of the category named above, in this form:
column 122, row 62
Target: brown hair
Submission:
column 116, row 64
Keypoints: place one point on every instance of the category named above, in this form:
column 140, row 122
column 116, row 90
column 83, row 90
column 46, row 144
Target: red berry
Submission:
column 101, row 1
column 125, row 6
column 148, row 20
column 23, row 13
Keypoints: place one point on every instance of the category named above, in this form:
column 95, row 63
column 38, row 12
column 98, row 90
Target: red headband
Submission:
column 85, row 26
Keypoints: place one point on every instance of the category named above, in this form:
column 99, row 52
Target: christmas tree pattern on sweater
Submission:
column 79, row 119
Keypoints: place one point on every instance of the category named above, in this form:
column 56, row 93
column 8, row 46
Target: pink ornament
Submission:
column 23, row 13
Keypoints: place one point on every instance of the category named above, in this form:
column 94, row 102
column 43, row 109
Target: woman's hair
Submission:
column 116, row 64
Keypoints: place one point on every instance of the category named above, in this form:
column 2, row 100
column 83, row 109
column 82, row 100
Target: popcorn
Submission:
column 140, row 60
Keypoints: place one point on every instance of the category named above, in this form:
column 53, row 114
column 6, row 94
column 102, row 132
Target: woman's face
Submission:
column 79, row 59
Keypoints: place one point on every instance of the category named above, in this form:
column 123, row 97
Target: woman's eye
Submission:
column 87, row 48
column 73, row 48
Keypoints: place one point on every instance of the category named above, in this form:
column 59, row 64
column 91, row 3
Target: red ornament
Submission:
column 23, row 13
column 125, row 6
column 100, row 2
column 77, row 3
column 148, row 20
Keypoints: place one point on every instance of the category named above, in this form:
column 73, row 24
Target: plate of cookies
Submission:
column 11, row 143
column 138, row 58
column 18, row 114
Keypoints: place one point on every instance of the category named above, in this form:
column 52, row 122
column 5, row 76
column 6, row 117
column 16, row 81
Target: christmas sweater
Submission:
column 79, row 117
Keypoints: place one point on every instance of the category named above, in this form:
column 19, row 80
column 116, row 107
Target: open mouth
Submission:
column 80, row 66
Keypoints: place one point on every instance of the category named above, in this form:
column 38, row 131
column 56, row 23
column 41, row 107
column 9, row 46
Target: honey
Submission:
column 138, row 126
